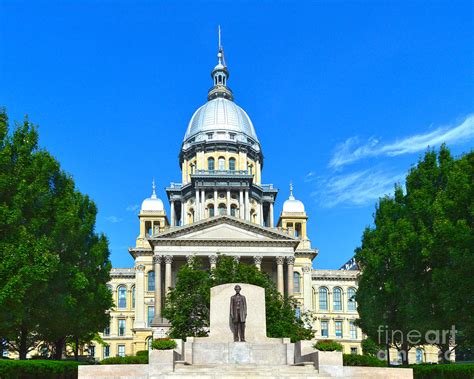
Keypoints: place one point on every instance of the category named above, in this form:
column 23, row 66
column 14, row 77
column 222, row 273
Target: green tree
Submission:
column 187, row 305
column 416, row 260
column 53, row 266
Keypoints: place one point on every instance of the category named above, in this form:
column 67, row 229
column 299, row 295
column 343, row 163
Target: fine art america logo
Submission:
column 414, row 337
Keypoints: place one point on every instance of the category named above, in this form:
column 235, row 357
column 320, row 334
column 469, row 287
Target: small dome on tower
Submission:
column 152, row 203
column 292, row 205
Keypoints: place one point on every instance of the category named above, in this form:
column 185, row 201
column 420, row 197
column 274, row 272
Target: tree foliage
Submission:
column 417, row 259
column 187, row 305
column 53, row 266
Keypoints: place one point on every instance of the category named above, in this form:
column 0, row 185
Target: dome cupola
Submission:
column 292, row 205
column 152, row 203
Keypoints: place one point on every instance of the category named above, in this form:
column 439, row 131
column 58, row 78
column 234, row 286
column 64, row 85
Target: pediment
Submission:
column 224, row 228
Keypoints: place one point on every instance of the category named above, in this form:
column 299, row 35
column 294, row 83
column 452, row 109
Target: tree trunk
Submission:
column 23, row 348
column 404, row 350
column 76, row 349
column 444, row 348
column 58, row 348
column 388, row 354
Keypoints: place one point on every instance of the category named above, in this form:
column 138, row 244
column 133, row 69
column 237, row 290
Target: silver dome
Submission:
column 220, row 115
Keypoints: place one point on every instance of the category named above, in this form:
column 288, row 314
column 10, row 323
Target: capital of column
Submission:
column 168, row 259
column 306, row 269
column 189, row 259
column 157, row 259
column 290, row 260
column 280, row 260
column 236, row 258
column 258, row 260
column 213, row 259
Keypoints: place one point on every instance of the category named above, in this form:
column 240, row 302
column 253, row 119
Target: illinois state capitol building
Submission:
column 223, row 207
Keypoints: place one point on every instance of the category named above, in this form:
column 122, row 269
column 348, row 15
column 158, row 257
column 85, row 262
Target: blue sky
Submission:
column 345, row 96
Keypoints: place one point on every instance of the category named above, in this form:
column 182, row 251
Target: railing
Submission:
column 221, row 172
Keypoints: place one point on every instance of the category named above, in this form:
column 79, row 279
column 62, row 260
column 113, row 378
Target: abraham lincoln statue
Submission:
column 238, row 314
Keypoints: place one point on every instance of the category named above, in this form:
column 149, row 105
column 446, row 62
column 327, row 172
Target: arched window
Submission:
column 222, row 209
column 233, row 210
column 151, row 280
column 232, row 164
column 221, row 163
column 133, row 297
column 296, row 282
column 210, row 210
column 337, row 299
column 122, row 297
column 251, row 169
column 210, row 164
column 351, row 303
column 323, row 298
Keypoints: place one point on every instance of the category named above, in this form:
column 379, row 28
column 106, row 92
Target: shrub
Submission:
column 163, row 344
column 328, row 345
column 443, row 371
column 38, row 369
column 131, row 360
column 362, row 360
column 142, row 353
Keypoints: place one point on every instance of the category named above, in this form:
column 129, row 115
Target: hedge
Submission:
column 131, row 360
column 327, row 345
column 443, row 371
column 163, row 344
column 38, row 369
column 362, row 360
column 142, row 353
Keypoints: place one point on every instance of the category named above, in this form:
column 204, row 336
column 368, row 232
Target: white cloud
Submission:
column 132, row 208
column 351, row 150
column 113, row 219
column 357, row 188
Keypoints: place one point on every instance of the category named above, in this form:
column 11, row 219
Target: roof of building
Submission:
column 292, row 205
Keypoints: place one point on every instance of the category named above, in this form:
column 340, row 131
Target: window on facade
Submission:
column 351, row 303
column 221, row 163
column 122, row 297
column 222, row 209
column 210, row 164
column 150, row 315
column 121, row 350
column 107, row 331
column 211, row 210
column 324, row 329
column 354, row 350
column 151, row 280
column 106, row 351
column 233, row 210
column 297, row 312
column 419, row 355
column 250, row 169
column 337, row 297
column 338, row 329
column 133, row 297
column 296, row 282
column 353, row 330
column 121, row 327
column 210, row 135
column 323, row 299
column 232, row 164
column 192, row 169
column 232, row 136
column 92, row 351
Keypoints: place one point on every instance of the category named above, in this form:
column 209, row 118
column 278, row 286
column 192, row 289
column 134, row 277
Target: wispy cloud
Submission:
column 132, row 208
column 357, row 188
column 113, row 219
column 352, row 150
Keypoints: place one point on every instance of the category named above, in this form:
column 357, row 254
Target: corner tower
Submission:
column 221, row 162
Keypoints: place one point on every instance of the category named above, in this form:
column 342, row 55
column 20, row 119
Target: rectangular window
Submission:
column 354, row 350
column 232, row 136
column 121, row 350
column 151, row 281
column 107, row 331
column 106, row 351
column 324, row 329
column 209, row 135
column 298, row 312
column 151, row 314
column 92, row 351
column 338, row 328
column 353, row 330
column 121, row 327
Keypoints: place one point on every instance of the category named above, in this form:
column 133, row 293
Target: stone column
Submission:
column 247, row 205
column 291, row 262
column 260, row 211
column 173, row 215
column 241, row 205
column 190, row 259
column 271, row 215
column 203, row 204
column 183, row 213
column 258, row 262
column 307, row 289
column 213, row 261
column 228, row 202
column 280, row 283
column 197, row 207
column 216, row 210
column 168, row 261
column 139, row 297
column 157, row 259
column 236, row 258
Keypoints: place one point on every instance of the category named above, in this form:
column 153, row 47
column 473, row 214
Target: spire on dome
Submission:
column 220, row 75
column 153, row 187
column 291, row 192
